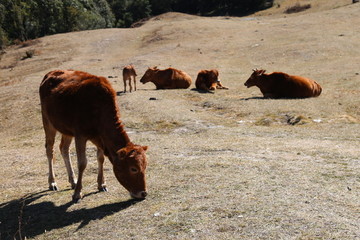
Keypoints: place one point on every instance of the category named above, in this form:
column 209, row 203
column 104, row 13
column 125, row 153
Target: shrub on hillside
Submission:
column 297, row 8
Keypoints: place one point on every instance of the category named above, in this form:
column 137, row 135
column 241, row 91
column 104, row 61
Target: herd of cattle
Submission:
column 83, row 106
column 274, row 85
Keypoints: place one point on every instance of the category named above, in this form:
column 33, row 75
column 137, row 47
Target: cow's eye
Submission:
column 134, row 170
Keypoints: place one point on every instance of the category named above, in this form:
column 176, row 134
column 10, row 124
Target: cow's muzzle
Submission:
column 139, row 195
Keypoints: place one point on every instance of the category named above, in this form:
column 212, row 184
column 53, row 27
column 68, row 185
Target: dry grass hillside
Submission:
column 228, row 165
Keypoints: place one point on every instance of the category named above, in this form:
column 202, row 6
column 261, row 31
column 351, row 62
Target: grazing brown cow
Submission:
column 208, row 80
column 169, row 78
column 282, row 85
column 128, row 73
column 81, row 105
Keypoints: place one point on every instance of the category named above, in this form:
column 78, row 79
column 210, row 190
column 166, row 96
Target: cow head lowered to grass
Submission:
column 282, row 85
column 82, row 106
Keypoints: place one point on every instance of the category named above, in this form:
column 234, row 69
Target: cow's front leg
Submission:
column 80, row 144
column 220, row 86
column 101, row 179
column 212, row 88
column 50, row 133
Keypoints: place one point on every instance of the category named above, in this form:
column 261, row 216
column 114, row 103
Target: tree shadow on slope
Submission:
column 20, row 219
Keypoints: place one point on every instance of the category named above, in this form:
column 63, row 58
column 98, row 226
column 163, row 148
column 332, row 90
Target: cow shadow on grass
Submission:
column 268, row 98
column 23, row 218
column 253, row 98
column 120, row 93
column 202, row 91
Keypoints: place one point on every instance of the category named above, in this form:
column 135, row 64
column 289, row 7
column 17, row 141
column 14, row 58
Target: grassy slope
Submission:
column 222, row 166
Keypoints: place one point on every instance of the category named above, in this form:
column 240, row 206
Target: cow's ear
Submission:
column 259, row 72
column 145, row 148
column 122, row 153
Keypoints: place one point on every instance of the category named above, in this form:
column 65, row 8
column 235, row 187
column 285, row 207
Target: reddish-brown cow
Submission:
column 128, row 73
column 282, row 85
column 81, row 105
column 167, row 79
column 208, row 80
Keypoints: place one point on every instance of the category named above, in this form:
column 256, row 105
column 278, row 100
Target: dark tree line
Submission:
column 28, row 19
column 210, row 7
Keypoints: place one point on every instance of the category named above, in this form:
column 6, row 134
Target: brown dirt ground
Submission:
column 229, row 165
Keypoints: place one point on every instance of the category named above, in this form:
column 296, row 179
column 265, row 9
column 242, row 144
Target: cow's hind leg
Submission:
column 135, row 82
column 124, row 80
column 130, row 84
column 50, row 133
column 64, row 149
column 101, row 179
column 80, row 144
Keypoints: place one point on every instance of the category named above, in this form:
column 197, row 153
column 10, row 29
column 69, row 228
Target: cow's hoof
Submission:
column 53, row 187
column 103, row 189
column 76, row 199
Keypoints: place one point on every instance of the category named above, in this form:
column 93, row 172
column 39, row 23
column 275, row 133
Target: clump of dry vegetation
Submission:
column 28, row 54
column 282, row 119
column 297, row 8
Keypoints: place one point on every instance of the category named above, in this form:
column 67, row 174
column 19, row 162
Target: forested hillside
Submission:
column 29, row 19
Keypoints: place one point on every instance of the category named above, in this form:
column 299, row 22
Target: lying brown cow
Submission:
column 167, row 79
column 128, row 73
column 282, row 85
column 83, row 106
column 208, row 80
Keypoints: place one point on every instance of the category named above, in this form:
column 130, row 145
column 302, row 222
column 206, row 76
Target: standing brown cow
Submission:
column 282, row 85
column 128, row 73
column 170, row 78
column 208, row 80
column 81, row 105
